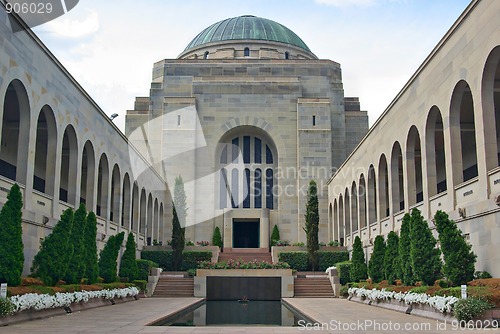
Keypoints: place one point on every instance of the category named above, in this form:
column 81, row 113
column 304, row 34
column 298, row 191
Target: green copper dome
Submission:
column 247, row 27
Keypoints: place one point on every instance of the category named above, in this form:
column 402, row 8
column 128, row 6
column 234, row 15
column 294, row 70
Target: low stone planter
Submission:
column 32, row 314
column 427, row 311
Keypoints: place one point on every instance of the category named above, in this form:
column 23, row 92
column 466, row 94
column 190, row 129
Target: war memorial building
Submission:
column 248, row 115
column 249, row 104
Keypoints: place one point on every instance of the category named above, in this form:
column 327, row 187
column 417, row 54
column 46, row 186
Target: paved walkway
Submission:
column 132, row 317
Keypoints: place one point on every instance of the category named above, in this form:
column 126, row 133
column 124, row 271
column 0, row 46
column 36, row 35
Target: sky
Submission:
column 110, row 46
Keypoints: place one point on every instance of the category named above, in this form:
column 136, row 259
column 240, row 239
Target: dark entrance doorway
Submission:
column 246, row 233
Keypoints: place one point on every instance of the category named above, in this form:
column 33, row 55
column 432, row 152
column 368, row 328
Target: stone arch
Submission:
column 103, row 187
column 45, row 152
column 342, row 227
column 463, row 134
column 490, row 91
column 134, row 219
column 371, row 195
column 143, row 214
column 362, row 201
column 347, row 213
column 126, row 202
column 87, row 183
column 149, row 226
column 15, row 129
column 398, row 202
column 156, row 220
column 115, row 195
column 414, row 167
column 247, row 158
column 354, row 207
column 435, row 155
column 69, row 166
column 383, row 187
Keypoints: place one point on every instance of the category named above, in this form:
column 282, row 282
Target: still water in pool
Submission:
column 235, row 313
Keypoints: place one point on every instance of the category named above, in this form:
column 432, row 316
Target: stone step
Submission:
column 174, row 286
column 312, row 287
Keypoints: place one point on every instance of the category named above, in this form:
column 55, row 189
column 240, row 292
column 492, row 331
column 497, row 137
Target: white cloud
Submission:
column 73, row 28
column 346, row 3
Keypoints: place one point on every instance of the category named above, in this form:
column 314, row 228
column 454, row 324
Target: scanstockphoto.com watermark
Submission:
column 36, row 12
column 389, row 326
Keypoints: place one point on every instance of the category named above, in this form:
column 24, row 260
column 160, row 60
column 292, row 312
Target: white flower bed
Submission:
column 443, row 304
column 46, row 301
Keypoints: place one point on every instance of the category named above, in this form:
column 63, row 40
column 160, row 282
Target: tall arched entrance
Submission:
column 247, row 161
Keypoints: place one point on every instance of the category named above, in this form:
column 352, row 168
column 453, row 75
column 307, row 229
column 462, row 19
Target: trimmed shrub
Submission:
column 468, row 309
column 376, row 263
column 6, row 307
column 11, row 242
column 359, row 270
column 76, row 268
column 404, row 251
column 328, row 259
column 297, row 260
column 275, row 235
column 128, row 265
column 179, row 218
column 217, row 238
column 162, row 258
column 52, row 261
column 140, row 284
column 392, row 269
column 109, row 256
column 344, row 271
column 425, row 257
column 144, row 268
column 191, row 259
column 459, row 260
column 312, row 225
column 90, row 249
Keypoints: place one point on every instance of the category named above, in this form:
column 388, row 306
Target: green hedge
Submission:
column 165, row 258
column 144, row 268
column 329, row 259
column 190, row 259
column 343, row 269
column 297, row 260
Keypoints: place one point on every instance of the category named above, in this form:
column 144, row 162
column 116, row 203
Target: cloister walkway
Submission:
column 132, row 317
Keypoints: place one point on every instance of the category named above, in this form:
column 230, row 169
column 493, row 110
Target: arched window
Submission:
column 269, row 189
column 246, row 53
column 234, row 188
column 258, row 189
column 287, row 55
column 205, row 55
column 251, row 176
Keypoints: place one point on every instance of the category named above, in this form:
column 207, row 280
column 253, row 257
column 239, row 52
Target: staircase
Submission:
column 312, row 285
column 245, row 256
column 174, row 284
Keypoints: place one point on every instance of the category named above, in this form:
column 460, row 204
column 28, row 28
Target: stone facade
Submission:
column 295, row 106
column 435, row 147
column 62, row 149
